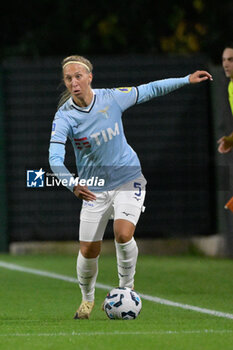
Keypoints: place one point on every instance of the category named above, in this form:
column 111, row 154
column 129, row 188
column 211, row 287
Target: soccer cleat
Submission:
column 84, row 310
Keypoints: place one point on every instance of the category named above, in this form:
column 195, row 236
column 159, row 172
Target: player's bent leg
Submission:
column 128, row 205
column 126, row 252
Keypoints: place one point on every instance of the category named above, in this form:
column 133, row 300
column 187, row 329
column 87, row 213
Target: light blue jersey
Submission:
column 103, row 157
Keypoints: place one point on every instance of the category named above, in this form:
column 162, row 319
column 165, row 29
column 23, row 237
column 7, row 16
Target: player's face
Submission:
column 77, row 80
column 227, row 62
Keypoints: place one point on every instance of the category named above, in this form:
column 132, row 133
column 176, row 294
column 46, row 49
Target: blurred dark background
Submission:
column 59, row 27
column 129, row 43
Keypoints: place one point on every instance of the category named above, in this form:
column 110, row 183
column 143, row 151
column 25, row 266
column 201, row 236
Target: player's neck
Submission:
column 85, row 100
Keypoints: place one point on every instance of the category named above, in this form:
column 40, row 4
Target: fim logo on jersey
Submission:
column 99, row 137
column 35, row 178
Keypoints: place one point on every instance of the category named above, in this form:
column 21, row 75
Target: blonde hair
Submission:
column 73, row 59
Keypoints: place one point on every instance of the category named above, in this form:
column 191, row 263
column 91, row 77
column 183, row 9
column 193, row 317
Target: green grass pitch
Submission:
column 36, row 312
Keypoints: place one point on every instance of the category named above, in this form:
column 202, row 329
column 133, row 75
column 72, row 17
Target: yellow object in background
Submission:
column 230, row 94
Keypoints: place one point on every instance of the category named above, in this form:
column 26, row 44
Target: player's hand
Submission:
column 83, row 192
column 225, row 144
column 199, row 76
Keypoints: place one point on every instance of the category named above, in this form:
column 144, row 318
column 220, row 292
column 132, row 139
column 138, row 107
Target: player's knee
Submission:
column 123, row 230
column 90, row 250
column 123, row 237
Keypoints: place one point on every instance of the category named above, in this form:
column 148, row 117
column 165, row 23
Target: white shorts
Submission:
column 125, row 202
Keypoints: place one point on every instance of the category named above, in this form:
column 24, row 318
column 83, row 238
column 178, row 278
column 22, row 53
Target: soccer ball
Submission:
column 122, row 304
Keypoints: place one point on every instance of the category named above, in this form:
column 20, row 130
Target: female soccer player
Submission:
column 115, row 185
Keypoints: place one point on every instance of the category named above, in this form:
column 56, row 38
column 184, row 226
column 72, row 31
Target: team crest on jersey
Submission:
column 124, row 89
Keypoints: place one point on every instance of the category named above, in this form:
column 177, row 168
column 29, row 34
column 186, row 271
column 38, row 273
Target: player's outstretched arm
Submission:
column 162, row 87
column 199, row 76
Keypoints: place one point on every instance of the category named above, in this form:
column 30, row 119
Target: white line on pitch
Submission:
column 15, row 267
column 66, row 334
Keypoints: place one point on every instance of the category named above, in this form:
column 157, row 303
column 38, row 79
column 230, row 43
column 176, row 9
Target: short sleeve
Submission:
column 125, row 96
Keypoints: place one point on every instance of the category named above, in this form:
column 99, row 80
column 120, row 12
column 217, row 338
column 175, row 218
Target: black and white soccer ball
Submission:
column 122, row 304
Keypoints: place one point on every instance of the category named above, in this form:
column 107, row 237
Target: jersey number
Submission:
column 137, row 185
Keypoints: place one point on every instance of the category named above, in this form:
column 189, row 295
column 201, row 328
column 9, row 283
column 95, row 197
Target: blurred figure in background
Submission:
column 225, row 147
column 226, row 142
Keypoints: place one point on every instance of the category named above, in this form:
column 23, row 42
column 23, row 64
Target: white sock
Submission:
column 87, row 271
column 127, row 254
